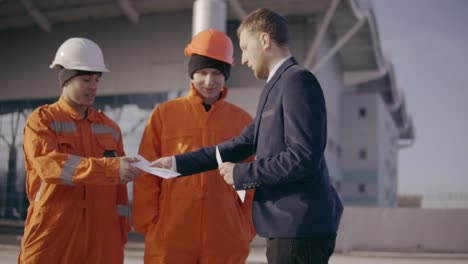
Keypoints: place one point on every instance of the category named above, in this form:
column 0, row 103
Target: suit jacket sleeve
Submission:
column 204, row 159
column 304, row 113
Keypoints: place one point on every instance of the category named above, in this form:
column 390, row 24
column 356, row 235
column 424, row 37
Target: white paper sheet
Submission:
column 240, row 193
column 144, row 165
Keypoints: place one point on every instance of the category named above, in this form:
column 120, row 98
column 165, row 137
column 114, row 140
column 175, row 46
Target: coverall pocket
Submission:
column 106, row 144
column 178, row 142
column 67, row 145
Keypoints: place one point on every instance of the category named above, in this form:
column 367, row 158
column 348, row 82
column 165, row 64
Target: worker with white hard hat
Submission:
column 76, row 169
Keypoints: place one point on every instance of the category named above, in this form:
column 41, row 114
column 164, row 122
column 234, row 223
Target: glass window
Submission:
column 361, row 188
column 338, row 150
column 330, row 145
column 338, row 186
column 362, row 112
column 363, row 154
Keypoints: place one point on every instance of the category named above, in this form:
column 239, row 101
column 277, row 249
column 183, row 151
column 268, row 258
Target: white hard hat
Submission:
column 79, row 54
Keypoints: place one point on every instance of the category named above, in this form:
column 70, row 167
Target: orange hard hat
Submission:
column 213, row 44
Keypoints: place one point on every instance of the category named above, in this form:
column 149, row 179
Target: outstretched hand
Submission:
column 226, row 169
column 164, row 163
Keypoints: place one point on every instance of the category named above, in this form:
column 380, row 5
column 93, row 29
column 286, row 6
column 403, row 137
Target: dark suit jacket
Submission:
column 293, row 196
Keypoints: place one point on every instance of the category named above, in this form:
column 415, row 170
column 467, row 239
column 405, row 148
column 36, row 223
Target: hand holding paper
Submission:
column 145, row 165
column 226, row 170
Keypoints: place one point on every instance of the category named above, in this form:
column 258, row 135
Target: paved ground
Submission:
column 257, row 256
column 134, row 255
column 9, row 248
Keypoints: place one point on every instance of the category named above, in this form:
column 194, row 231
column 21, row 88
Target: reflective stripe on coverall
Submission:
column 79, row 211
column 198, row 218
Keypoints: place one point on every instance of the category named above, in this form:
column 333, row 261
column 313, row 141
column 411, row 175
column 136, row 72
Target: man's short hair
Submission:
column 268, row 21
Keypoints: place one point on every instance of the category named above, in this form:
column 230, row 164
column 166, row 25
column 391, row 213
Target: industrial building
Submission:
column 143, row 43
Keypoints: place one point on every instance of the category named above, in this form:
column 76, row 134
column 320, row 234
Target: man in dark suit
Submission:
column 295, row 207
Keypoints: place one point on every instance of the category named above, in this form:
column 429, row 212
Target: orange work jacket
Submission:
column 198, row 218
column 78, row 211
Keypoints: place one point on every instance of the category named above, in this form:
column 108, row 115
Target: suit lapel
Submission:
column 266, row 91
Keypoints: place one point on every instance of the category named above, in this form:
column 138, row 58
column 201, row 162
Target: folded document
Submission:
column 144, row 165
column 240, row 193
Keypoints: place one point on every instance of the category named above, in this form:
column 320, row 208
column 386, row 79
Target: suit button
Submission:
column 244, row 185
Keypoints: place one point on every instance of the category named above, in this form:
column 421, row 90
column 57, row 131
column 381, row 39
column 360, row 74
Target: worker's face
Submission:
column 253, row 53
column 208, row 82
column 80, row 91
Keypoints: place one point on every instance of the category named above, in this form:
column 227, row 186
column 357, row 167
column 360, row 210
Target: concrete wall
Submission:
column 147, row 57
column 401, row 230
column 332, row 84
column 359, row 133
column 376, row 134
column 387, row 156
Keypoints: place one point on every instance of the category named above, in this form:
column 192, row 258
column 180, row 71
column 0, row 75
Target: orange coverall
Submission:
column 199, row 218
column 78, row 211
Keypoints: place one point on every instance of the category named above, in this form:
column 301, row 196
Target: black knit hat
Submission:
column 198, row 62
column 65, row 74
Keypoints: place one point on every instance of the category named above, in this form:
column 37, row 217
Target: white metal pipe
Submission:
column 209, row 14
column 338, row 45
column 408, row 128
column 406, row 145
column 351, row 78
column 130, row 11
column 37, row 16
column 311, row 53
column 237, row 8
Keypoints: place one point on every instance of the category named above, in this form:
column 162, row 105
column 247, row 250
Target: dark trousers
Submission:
column 300, row 250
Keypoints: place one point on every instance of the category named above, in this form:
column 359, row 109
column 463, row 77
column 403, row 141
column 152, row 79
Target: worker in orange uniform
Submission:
column 76, row 172
column 198, row 219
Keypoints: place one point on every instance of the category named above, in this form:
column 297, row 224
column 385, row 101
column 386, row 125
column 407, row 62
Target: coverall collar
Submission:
column 193, row 94
column 75, row 114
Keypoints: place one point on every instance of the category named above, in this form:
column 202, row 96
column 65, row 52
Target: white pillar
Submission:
column 209, row 14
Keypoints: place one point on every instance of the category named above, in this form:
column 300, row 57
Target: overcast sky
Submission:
column 427, row 41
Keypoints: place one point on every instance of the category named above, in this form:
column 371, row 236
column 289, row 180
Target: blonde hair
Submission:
column 268, row 21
